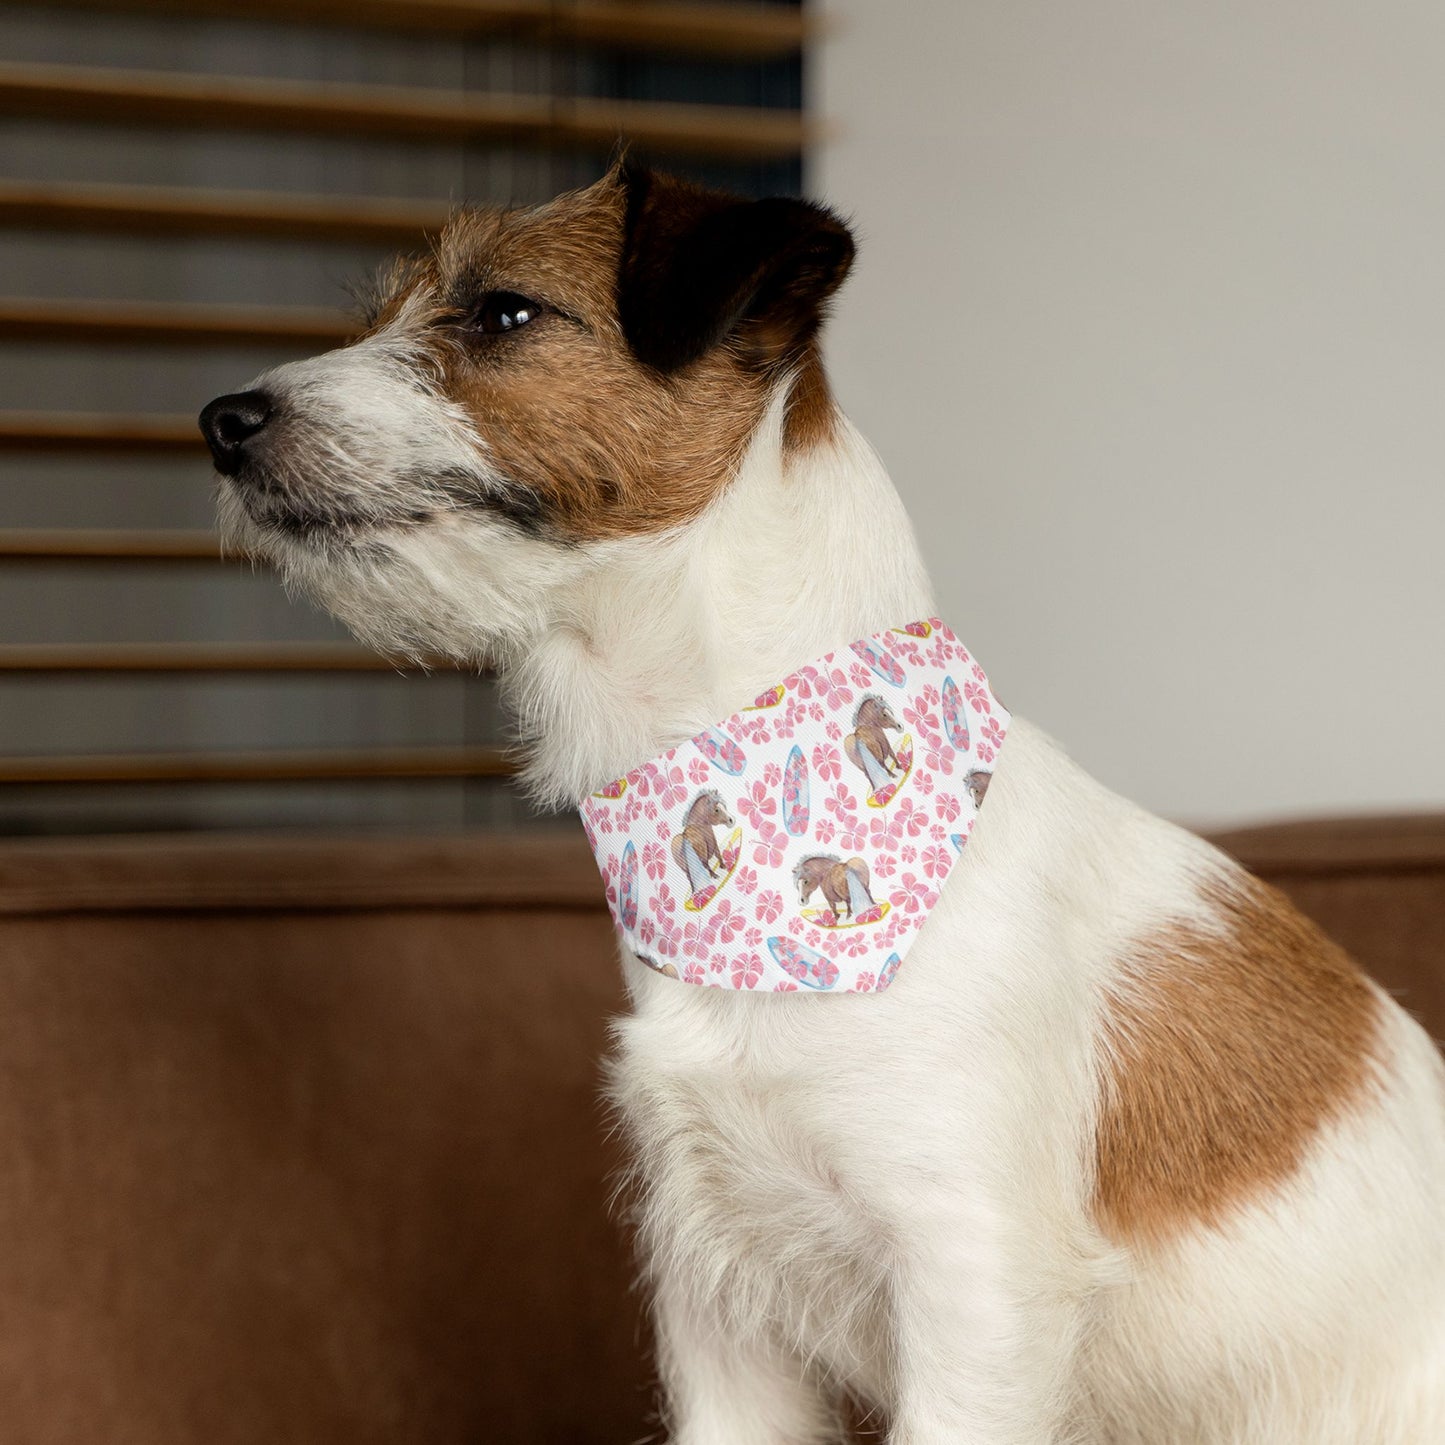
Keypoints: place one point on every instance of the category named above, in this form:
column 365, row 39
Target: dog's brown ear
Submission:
column 699, row 266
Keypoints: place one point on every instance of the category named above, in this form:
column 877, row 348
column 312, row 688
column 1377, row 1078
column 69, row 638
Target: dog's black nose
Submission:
column 229, row 422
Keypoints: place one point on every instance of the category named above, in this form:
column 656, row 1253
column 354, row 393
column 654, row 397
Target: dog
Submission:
column 1129, row 1154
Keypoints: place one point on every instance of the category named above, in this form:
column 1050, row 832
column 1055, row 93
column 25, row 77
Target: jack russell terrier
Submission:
column 1126, row 1151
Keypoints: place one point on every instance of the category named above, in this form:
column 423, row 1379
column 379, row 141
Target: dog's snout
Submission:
column 229, row 422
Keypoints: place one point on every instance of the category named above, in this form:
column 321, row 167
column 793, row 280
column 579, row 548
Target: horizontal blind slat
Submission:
column 171, row 323
column 271, row 766
column 194, row 657
column 218, row 102
column 91, row 544
column 177, row 211
column 708, row 28
column 85, row 431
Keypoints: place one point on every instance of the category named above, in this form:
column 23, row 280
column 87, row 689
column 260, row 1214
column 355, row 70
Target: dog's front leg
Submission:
column 724, row 1387
column 984, row 1343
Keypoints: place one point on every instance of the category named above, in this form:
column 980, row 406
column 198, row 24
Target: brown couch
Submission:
column 302, row 1141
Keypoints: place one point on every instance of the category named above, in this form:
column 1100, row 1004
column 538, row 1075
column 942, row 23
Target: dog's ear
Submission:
column 700, row 266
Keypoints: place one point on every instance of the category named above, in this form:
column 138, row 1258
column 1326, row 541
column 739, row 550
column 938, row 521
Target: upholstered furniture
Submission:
column 300, row 1138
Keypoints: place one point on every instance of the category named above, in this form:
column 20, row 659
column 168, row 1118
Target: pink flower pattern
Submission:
column 735, row 927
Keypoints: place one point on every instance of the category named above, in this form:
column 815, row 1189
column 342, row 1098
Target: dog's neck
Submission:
column 803, row 553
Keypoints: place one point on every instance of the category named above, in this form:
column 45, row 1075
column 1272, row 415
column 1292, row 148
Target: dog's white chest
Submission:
column 750, row 1187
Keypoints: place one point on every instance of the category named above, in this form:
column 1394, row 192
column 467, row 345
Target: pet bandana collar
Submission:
column 801, row 843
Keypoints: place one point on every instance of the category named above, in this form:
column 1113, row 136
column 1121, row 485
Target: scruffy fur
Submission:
column 1128, row 1154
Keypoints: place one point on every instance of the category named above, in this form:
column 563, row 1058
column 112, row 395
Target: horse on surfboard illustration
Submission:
column 696, row 850
column 844, row 887
column 869, row 749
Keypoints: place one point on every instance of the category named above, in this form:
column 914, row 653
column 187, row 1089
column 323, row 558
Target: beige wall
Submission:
column 1149, row 324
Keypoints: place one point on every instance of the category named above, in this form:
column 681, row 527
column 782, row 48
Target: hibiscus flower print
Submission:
column 662, row 903
column 859, row 676
column 772, row 775
column 910, row 818
column 769, row 905
column 852, row 834
column 824, row 831
column 654, row 860
column 827, row 762
column 922, row 720
column 770, row 844
column 786, row 986
column 753, row 937
column 936, row 861
column 939, row 755
column 864, row 982
column 669, row 786
column 914, row 895
column 727, row 921
column 840, row 801
column 645, row 931
column 947, row 807
column 884, row 832
column 693, row 973
column 826, row 972
column 747, row 971
column 804, row 681
column 745, row 880
column 757, row 803
column 833, row 689
column 923, row 781
column 697, row 771
column 697, row 938
column 885, row 865
column 976, row 694
column 993, row 733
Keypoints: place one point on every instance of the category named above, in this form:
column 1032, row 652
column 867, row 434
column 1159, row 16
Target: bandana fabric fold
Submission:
column 801, row 843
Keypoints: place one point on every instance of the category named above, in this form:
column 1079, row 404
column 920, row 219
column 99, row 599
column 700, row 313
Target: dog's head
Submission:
column 544, row 383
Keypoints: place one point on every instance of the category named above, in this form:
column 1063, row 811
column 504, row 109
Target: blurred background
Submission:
column 301, row 1007
column 1149, row 324
column 1146, row 323
column 187, row 193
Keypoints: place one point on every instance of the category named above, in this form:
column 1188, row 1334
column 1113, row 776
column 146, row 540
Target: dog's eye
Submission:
column 504, row 311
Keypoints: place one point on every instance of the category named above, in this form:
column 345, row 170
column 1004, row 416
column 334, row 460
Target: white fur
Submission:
column 890, row 1194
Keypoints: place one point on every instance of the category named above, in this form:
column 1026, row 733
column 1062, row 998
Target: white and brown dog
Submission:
column 1129, row 1153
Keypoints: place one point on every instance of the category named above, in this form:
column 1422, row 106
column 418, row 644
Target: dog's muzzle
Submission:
column 230, row 423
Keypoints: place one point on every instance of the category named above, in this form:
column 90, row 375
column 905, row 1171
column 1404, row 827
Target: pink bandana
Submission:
column 802, row 842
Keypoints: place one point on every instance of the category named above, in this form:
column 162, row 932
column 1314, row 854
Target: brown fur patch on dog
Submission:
column 812, row 416
column 601, row 444
column 1226, row 1053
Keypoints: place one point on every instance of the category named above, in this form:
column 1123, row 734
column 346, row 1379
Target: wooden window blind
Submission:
column 186, row 186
